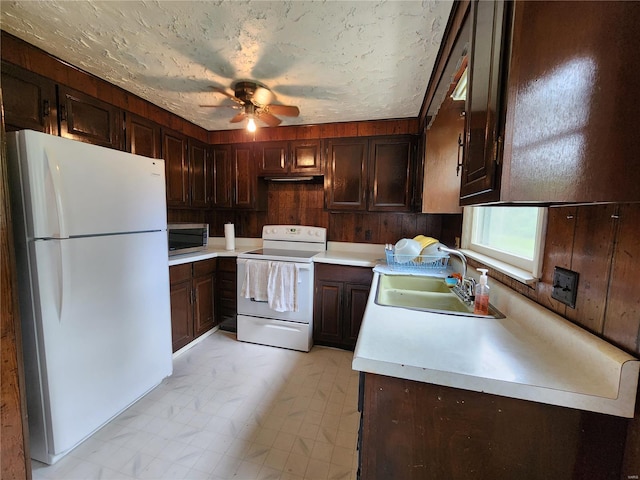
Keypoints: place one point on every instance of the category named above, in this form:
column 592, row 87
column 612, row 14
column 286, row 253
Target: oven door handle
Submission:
column 258, row 301
column 301, row 266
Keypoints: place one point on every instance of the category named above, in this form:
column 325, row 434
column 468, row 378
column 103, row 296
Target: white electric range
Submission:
column 257, row 322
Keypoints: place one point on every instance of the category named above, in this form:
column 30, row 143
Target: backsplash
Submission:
column 303, row 204
column 600, row 242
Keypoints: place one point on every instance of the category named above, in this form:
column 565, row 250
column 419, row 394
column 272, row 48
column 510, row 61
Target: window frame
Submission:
column 523, row 270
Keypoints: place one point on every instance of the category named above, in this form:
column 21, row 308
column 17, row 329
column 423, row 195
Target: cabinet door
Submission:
column 221, row 170
column 143, row 136
column 89, row 120
column 328, row 312
column 573, row 137
column 390, row 178
column 199, row 173
column 305, row 158
column 346, row 181
column 272, row 158
column 356, row 301
column 203, row 311
column 485, row 107
column 174, row 151
column 181, row 305
column 245, row 178
column 226, row 293
column 29, row 100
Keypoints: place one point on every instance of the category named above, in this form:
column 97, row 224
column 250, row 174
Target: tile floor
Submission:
column 231, row 410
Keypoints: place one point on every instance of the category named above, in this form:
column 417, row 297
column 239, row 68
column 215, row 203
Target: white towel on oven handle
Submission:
column 256, row 278
column 282, row 286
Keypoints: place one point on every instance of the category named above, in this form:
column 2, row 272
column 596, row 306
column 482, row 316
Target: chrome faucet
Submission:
column 466, row 289
column 460, row 255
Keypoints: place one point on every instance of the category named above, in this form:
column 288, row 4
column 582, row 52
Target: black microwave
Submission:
column 187, row 237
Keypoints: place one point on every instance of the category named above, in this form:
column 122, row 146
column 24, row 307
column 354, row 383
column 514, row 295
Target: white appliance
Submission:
column 93, row 277
column 257, row 322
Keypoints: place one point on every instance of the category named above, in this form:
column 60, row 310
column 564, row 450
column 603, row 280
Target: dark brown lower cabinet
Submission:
column 414, row 430
column 226, row 293
column 340, row 299
column 192, row 300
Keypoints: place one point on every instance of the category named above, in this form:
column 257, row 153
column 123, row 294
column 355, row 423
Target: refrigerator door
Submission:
column 99, row 335
column 72, row 189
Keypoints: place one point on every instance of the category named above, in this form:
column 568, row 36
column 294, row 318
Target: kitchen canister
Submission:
column 229, row 236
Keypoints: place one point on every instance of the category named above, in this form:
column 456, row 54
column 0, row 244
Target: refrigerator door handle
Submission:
column 54, row 172
column 65, row 279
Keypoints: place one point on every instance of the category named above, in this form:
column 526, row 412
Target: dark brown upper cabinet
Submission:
column 29, row 100
column 488, row 64
column 89, row 120
column 346, row 179
column 390, row 173
column 200, row 176
column 235, row 178
column 175, row 154
column 143, row 136
column 549, row 115
column 295, row 158
column 221, row 171
column 374, row 174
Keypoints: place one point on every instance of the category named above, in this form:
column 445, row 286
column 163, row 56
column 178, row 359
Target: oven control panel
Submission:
column 298, row 233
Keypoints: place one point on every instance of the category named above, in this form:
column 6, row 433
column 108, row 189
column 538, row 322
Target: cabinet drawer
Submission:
column 179, row 273
column 227, row 264
column 204, row 267
column 344, row 273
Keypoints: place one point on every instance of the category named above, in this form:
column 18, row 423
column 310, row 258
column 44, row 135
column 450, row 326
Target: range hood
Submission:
column 308, row 179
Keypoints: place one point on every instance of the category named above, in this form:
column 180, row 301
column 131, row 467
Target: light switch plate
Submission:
column 565, row 286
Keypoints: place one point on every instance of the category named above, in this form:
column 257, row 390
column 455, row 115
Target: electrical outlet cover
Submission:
column 565, row 286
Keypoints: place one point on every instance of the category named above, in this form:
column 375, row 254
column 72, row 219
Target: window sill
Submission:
column 516, row 273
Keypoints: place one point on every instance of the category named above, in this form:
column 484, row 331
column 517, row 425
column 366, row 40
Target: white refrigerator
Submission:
column 93, row 281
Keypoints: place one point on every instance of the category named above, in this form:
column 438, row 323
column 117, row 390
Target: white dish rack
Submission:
column 411, row 262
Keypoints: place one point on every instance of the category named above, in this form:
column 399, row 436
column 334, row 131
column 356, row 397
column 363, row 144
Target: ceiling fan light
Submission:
column 251, row 124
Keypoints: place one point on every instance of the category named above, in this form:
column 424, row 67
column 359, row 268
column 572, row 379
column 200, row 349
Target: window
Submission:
column 508, row 239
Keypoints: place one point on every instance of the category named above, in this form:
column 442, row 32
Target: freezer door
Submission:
column 100, row 334
column 70, row 188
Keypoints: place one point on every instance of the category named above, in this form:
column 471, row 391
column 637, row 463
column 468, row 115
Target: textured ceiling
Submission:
column 337, row 61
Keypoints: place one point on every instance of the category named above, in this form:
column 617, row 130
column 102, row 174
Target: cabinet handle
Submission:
column 459, row 166
column 498, row 150
column 63, row 112
column 46, row 108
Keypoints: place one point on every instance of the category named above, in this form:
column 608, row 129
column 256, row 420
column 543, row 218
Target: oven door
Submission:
column 248, row 306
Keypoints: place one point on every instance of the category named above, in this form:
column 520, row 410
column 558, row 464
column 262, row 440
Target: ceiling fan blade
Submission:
column 267, row 118
column 238, row 118
column 286, row 110
column 224, row 92
column 221, row 106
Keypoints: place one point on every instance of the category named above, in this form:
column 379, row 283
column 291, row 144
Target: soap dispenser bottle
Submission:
column 481, row 303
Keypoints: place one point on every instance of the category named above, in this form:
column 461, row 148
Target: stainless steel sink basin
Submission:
column 428, row 294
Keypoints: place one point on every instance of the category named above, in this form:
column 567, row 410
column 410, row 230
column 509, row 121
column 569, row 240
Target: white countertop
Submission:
column 532, row 354
column 351, row 254
column 216, row 248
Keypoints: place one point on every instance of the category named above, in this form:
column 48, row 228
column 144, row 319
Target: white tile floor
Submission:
column 231, row 410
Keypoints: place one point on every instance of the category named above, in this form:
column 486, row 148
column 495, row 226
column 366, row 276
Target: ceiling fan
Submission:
column 255, row 102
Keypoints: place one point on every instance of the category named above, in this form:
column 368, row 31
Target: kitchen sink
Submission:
column 428, row 294
column 413, row 283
